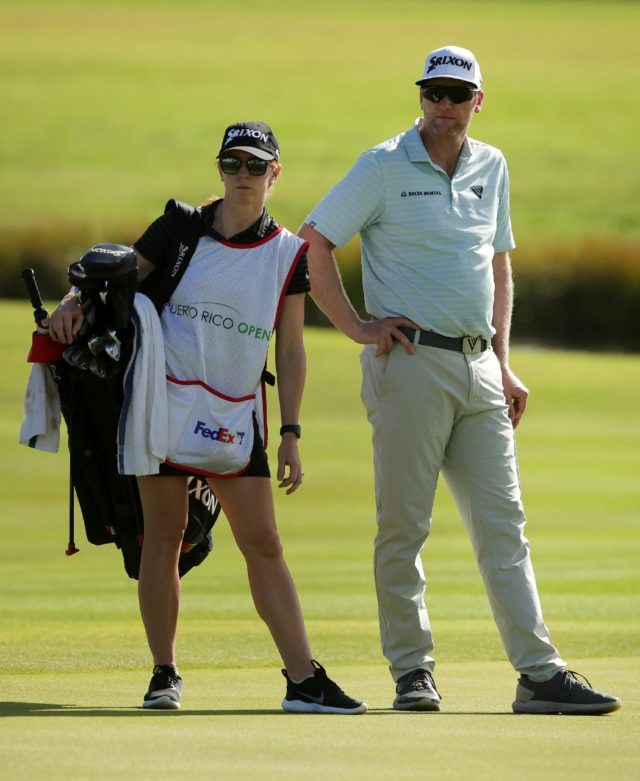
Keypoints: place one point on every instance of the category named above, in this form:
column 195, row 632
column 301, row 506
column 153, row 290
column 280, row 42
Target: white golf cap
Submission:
column 452, row 62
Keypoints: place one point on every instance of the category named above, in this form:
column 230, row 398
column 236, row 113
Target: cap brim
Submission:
column 251, row 149
column 423, row 81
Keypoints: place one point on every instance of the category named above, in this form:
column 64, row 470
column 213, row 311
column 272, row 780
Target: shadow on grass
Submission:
column 17, row 709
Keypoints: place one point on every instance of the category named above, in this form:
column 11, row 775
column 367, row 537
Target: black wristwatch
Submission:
column 291, row 429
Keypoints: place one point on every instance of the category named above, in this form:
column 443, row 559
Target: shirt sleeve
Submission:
column 504, row 241
column 299, row 282
column 355, row 202
column 155, row 242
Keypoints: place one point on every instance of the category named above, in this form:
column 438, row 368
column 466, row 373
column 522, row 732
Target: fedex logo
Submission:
column 219, row 434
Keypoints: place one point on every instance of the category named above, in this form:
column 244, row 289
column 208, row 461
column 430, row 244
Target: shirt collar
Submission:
column 262, row 227
column 415, row 148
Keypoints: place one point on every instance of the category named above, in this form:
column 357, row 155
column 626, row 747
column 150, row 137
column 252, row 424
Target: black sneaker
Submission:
column 319, row 694
column 416, row 690
column 562, row 694
column 165, row 689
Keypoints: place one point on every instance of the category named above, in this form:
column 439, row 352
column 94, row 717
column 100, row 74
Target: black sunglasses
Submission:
column 255, row 165
column 455, row 94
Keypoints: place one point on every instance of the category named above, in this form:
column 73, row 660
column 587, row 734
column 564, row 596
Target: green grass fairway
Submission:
column 74, row 658
column 81, row 726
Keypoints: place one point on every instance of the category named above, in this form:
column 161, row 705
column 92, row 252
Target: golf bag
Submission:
column 89, row 378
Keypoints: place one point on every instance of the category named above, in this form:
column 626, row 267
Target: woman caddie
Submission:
column 250, row 274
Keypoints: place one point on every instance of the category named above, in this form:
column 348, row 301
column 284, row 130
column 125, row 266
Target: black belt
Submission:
column 461, row 344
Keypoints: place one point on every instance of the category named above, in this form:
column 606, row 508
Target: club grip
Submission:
column 29, row 278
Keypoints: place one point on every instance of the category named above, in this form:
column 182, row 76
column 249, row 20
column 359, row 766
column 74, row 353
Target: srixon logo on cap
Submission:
column 436, row 62
column 241, row 132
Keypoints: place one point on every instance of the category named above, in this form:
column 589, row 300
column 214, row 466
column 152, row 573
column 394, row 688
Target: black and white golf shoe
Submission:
column 165, row 689
column 319, row 694
column 416, row 690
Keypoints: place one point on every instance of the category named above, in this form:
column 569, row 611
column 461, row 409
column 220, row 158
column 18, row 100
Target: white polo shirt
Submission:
column 427, row 240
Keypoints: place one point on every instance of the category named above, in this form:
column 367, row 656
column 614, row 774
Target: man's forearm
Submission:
column 502, row 306
column 327, row 289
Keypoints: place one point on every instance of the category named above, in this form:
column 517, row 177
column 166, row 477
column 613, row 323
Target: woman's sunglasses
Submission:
column 255, row 166
column 455, row 94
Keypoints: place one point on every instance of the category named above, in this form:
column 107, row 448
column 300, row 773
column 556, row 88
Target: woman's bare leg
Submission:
column 164, row 506
column 247, row 503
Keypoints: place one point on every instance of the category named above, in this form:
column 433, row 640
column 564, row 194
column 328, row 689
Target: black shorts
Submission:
column 258, row 463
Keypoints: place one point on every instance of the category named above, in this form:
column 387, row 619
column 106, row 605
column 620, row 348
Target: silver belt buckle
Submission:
column 471, row 344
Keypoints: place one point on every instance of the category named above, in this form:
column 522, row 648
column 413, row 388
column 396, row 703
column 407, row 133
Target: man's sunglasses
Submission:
column 455, row 94
column 255, row 166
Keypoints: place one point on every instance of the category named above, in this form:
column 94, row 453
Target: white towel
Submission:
column 144, row 421
column 40, row 427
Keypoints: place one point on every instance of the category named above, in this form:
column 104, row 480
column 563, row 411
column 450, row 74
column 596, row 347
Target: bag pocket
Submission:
column 209, row 433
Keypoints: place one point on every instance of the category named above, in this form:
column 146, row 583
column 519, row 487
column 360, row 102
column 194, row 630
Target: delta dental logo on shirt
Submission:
column 413, row 193
column 476, row 189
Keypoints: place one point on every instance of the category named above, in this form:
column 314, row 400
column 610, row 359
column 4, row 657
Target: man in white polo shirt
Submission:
column 432, row 209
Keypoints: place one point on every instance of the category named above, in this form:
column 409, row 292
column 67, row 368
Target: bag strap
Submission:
column 191, row 229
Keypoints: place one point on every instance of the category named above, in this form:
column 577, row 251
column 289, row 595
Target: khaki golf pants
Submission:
column 443, row 411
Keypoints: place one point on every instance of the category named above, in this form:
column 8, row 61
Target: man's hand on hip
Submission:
column 384, row 333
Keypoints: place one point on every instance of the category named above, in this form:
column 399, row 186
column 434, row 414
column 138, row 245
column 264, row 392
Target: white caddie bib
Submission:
column 217, row 327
